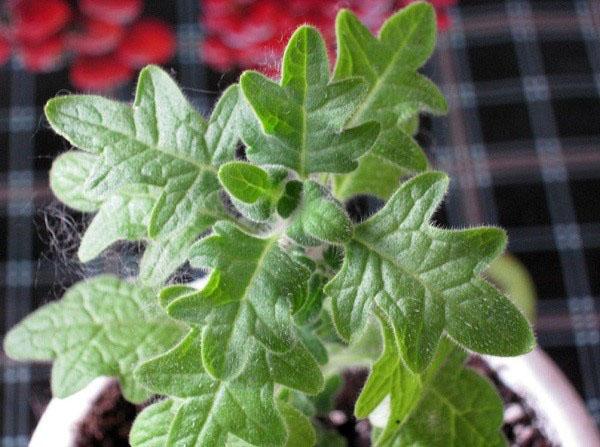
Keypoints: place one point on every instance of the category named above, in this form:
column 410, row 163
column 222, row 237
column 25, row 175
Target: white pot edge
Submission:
column 534, row 376
column 537, row 378
column 59, row 424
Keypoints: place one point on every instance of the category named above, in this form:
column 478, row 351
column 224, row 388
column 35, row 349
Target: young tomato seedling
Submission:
column 295, row 291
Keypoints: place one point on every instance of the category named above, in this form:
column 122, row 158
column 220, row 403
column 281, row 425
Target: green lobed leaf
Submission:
column 245, row 182
column 425, row 280
column 319, row 218
column 396, row 93
column 313, row 344
column 448, row 404
column 211, row 411
column 160, row 142
column 247, row 301
column 102, row 327
column 302, row 119
column 390, row 376
column 363, row 181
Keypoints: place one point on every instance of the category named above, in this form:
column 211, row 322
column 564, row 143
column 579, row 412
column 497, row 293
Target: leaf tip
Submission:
column 524, row 340
column 420, row 7
column 11, row 343
column 430, row 180
column 50, row 107
column 150, row 70
column 247, row 77
column 343, row 15
column 496, row 240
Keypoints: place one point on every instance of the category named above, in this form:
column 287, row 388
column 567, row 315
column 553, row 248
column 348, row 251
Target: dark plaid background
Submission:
column 521, row 142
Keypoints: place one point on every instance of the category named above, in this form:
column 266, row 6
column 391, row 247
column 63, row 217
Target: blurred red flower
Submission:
column 104, row 40
column 149, row 41
column 242, row 34
column 35, row 21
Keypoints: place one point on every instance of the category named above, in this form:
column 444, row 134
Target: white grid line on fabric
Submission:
column 15, row 441
column 18, row 118
column 16, row 374
column 18, row 274
column 193, row 75
column 557, row 190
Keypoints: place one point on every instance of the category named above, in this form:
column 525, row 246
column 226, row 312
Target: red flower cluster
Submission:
column 252, row 33
column 103, row 39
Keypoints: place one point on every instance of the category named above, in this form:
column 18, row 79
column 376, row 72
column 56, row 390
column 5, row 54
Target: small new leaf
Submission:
column 320, row 218
column 303, row 118
column 425, row 280
column 160, row 143
column 396, row 92
column 244, row 181
column 254, row 191
column 102, row 327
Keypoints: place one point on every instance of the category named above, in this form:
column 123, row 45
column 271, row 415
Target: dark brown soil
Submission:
column 109, row 422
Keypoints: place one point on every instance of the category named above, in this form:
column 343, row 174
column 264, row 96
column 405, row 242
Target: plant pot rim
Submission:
column 534, row 376
column 547, row 390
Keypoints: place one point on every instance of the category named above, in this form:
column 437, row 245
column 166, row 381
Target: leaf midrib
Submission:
column 455, row 411
column 395, row 262
column 302, row 160
column 429, row 386
column 355, row 118
column 244, row 295
column 198, row 165
column 217, row 396
column 426, row 385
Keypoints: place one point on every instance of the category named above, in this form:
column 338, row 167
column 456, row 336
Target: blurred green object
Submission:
column 511, row 276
